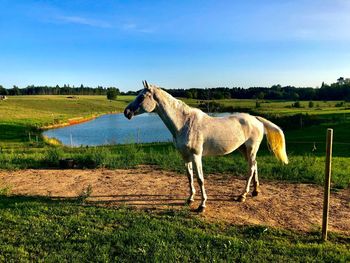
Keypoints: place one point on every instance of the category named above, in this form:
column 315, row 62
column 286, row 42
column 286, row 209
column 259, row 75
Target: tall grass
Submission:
column 307, row 168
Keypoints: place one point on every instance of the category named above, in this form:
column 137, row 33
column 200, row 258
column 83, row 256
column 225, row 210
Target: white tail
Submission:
column 276, row 139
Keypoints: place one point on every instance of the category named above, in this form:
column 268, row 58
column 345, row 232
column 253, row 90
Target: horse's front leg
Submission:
column 189, row 171
column 197, row 165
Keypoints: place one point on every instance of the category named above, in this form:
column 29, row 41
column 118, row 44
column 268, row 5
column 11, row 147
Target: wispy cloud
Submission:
column 133, row 27
column 48, row 13
column 129, row 26
column 82, row 21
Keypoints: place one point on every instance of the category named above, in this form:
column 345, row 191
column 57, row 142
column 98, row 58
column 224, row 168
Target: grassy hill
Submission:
column 42, row 109
column 21, row 115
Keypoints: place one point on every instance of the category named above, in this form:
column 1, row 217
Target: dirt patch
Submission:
column 291, row 206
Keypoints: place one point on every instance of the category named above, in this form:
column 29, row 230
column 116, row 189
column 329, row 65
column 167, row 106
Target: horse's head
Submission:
column 144, row 102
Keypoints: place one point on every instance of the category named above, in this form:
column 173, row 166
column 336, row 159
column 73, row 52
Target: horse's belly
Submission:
column 220, row 147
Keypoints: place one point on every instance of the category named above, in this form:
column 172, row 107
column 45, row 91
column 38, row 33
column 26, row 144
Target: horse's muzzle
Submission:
column 128, row 113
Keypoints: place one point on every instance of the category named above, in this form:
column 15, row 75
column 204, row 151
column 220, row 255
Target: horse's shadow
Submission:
column 154, row 199
column 148, row 201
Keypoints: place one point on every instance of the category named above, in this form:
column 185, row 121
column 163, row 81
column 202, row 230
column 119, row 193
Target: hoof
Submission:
column 241, row 198
column 255, row 193
column 200, row 209
column 189, row 202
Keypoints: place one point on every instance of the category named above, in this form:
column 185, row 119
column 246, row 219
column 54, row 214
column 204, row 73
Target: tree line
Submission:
column 57, row 90
column 335, row 91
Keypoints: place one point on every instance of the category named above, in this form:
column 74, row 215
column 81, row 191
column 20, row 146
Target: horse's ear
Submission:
column 146, row 85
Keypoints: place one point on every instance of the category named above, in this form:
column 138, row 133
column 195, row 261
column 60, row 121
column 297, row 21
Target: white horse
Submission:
column 197, row 134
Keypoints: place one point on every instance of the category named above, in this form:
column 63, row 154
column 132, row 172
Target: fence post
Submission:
column 328, row 170
column 138, row 135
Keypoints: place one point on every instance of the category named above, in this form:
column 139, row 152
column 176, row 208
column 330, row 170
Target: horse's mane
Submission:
column 175, row 103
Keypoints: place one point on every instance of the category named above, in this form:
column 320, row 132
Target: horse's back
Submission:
column 223, row 135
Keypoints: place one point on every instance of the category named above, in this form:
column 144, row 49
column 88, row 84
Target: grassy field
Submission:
column 42, row 110
column 283, row 107
column 42, row 229
column 46, row 230
column 20, row 115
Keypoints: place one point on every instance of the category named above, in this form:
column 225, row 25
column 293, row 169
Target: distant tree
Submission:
column 257, row 104
column 340, row 104
column 112, row 93
column 276, row 87
column 3, row 91
column 294, row 96
column 261, row 95
column 188, row 94
column 296, row 104
column 311, row 104
column 15, row 90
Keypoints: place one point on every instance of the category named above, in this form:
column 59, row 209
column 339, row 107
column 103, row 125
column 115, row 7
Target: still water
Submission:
column 114, row 129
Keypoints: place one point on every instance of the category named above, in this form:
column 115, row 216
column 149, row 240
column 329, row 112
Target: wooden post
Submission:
column 327, row 184
column 138, row 135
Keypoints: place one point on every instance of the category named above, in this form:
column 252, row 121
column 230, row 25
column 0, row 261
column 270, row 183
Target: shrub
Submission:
column 52, row 156
column 339, row 104
column 93, row 157
column 112, row 93
column 131, row 155
column 296, row 104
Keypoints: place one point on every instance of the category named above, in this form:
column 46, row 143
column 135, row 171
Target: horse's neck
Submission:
column 173, row 112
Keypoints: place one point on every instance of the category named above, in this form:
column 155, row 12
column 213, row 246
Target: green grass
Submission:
column 38, row 229
column 24, row 115
column 305, row 167
column 39, row 110
column 281, row 107
column 306, row 163
column 45, row 230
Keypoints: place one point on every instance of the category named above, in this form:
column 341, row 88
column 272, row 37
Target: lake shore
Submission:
column 75, row 121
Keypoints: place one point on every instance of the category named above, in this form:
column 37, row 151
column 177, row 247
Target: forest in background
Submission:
column 335, row 91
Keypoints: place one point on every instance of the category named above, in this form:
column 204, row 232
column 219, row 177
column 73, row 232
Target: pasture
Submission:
column 46, row 228
column 20, row 115
column 43, row 229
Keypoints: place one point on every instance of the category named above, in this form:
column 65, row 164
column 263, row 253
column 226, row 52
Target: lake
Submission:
column 114, row 129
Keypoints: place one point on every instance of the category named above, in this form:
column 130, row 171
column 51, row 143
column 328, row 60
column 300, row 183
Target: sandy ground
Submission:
column 291, row 206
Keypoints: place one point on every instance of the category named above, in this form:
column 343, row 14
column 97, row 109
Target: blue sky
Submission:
column 175, row 44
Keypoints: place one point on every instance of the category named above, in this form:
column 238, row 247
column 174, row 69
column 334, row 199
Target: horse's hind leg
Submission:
column 252, row 172
column 243, row 150
column 189, row 171
column 256, row 190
